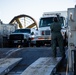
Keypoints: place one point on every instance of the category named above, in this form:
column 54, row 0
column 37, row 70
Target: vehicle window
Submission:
column 22, row 31
column 44, row 22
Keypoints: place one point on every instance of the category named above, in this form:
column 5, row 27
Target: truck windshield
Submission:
column 22, row 31
column 45, row 22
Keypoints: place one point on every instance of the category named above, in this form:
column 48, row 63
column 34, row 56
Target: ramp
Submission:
column 6, row 64
column 42, row 66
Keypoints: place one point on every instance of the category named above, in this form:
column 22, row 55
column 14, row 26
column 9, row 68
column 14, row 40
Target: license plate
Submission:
column 16, row 41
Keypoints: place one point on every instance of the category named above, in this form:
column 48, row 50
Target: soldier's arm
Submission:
column 58, row 17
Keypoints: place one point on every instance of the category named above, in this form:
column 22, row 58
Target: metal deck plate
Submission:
column 42, row 66
column 6, row 64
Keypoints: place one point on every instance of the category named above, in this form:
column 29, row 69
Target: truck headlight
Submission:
column 24, row 36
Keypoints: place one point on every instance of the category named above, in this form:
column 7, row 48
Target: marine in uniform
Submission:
column 56, row 37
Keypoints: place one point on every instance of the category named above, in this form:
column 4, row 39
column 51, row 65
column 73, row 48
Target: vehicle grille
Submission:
column 16, row 37
column 47, row 32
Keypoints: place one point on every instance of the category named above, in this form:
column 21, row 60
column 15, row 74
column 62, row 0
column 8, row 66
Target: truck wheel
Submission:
column 10, row 44
column 26, row 44
column 37, row 45
column 31, row 45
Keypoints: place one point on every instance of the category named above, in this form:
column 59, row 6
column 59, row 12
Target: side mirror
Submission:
column 32, row 33
column 37, row 29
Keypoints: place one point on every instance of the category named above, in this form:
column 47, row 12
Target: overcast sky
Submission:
column 34, row 8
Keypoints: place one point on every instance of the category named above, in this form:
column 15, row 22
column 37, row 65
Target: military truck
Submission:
column 44, row 33
column 21, row 37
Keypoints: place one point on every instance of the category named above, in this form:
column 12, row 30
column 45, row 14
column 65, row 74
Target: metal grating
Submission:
column 47, row 32
column 16, row 37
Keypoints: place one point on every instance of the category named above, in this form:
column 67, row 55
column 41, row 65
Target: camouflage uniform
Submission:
column 56, row 37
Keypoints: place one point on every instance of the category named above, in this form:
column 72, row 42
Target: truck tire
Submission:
column 37, row 44
column 26, row 43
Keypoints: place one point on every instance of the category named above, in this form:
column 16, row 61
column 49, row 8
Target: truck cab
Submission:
column 44, row 31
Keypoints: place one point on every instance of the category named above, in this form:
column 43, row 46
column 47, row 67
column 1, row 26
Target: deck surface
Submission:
column 42, row 66
column 6, row 64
